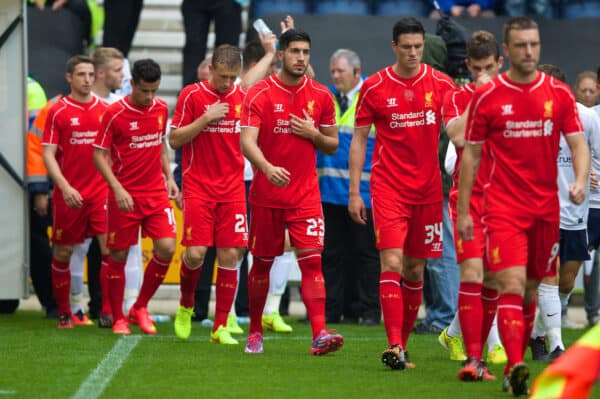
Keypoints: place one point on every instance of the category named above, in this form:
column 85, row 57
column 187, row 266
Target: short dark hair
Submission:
column 253, row 52
column 553, row 71
column 407, row 25
column 230, row 56
column 598, row 74
column 76, row 60
column 146, row 69
column 517, row 23
column 482, row 44
column 292, row 35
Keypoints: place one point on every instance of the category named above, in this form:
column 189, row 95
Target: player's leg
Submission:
column 231, row 235
column 133, row 275
column 278, row 277
column 267, row 229
column 306, row 228
column 76, row 265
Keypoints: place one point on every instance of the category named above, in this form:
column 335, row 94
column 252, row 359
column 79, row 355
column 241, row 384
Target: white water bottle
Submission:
column 261, row 27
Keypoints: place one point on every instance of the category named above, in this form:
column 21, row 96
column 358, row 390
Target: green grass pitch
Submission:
column 39, row 361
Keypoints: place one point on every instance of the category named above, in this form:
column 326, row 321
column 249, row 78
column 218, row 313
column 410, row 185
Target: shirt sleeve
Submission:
column 328, row 114
column 104, row 136
column 570, row 124
column 252, row 109
column 450, row 108
column 365, row 116
column 51, row 134
column 477, row 121
column 183, row 110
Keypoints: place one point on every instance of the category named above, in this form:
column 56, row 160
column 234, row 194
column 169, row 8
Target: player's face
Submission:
column 295, row 58
column 523, row 50
column 113, row 74
column 409, row 50
column 203, row 72
column 344, row 77
column 142, row 92
column 223, row 77
column 586, row 92
column 81, row 79
column 489, row 66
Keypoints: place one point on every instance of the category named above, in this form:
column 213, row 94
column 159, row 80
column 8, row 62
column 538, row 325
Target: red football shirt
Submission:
column 73, row 126
column 134, row 135
column 212, row 163
column 455, row 104
column 521, row 126
column 268, row 106
column 407, row 115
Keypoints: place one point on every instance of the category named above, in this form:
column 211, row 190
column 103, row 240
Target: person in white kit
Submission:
column 554, row 292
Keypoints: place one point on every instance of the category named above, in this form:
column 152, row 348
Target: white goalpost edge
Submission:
column 14, row 218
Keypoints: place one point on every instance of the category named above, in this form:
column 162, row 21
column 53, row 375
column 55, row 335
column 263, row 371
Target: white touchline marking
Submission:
column 7, row 392
column 94, row 385
column 243, row 338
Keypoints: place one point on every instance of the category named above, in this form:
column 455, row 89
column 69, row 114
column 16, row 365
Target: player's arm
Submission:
column 124, row 200
column 260, row 70
column 581, row 164
column 172, row 188
column 275, row 174
column 182, row 135
column 358, row 149
column 325, row 138
column 72, row 197
column 469, row 166
column 456, row 129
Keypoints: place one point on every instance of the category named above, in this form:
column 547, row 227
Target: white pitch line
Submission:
column 7, row 392
column 242, row 338
column 94, row 385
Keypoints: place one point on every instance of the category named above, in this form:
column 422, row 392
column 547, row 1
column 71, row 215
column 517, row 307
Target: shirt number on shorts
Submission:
column 240, row 223
column 432, row 231
column 315, row 227
column 170, row 215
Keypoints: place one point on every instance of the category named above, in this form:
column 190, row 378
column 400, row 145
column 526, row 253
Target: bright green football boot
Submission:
column 183, row 322
column 232, row 325
column 222, row 336
column 276, row 323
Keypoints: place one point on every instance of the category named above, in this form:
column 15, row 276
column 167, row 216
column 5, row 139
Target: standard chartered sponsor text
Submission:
column 523, row 129
column 83, row 137
column 409, row 119
column 145, row 141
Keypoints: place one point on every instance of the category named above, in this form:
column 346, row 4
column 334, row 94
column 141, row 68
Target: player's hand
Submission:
column 303, row 127
column 278, row 176
column 286, row 24
column 356, row 209
column 124, row 200
column 268, row 42
column 179, row 201
column 482, row 79
column 40, row 204
column 57, row 5
column 72, row 197
column 576, row 193
column 217, row 111
column 594, row 183
column 172, row 189
column 464, row 226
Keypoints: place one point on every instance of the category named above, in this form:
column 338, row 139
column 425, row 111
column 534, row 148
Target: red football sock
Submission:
column 61, row 284
column 225, row 290
column 529, row 318
column 106, row 308
column 313, row 290
column 511, row 326
column 412, row 296
column 116, row 287
column 470, row 314
column 188, row 279
column 258, row 288
column 390, row 296
column 153, row 278
column 489, row 302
